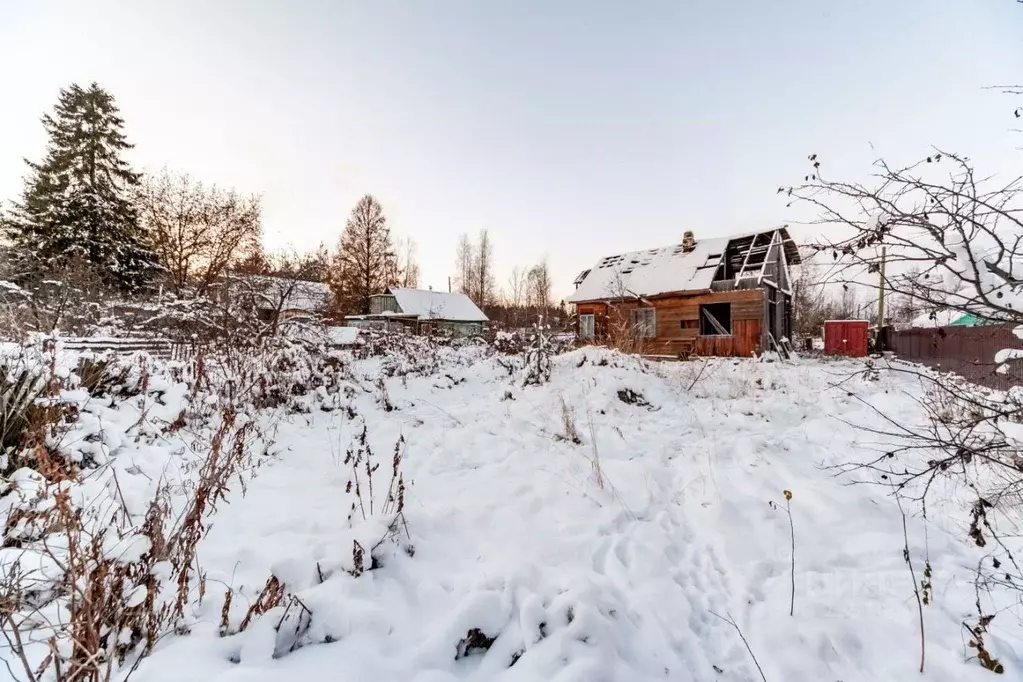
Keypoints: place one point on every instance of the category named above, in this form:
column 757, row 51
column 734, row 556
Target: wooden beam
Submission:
column 749, row 252
column 720, row 328
column 767, row 257
column 786, row 271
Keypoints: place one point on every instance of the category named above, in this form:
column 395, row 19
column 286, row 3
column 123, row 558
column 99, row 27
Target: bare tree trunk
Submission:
column 464, row 258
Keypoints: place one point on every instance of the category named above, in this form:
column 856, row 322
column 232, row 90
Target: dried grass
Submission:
column 116, row 604
column 569, row 430
column 621, row 336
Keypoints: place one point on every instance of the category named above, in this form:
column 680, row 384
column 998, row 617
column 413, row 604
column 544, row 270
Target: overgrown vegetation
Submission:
column 89, row 574
column 938, row 232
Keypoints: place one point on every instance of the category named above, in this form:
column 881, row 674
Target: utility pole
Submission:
column 880, row 300
column 449, row 284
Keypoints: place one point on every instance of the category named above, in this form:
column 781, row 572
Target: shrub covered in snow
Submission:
column 537, row 361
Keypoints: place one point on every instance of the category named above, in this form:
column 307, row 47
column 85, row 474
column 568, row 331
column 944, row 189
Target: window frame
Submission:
column 730, row 326
column 592, row 320
column 646, row 328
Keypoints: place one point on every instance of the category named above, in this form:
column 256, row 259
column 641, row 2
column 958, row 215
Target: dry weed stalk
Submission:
column 225, row 612
column 792, row 550
column 621, row 335
column 360, row 458
column 732, row 622
column 568, row 426
column 271, row 597
column 361, row 486
column 598, row 473
column 908, row 558
column 977, row 632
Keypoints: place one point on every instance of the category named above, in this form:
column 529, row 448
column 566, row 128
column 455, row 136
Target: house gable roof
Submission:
column 437, row 305
column 663, row 270
column 288, row 294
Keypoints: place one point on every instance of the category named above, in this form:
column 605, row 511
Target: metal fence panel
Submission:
column 967, row 351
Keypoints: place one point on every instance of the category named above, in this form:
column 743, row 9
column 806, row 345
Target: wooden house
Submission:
column 419, row 311
column 720, row 296
column 274, row 299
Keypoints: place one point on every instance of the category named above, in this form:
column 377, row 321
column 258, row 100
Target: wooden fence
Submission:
column 159, row 348
column 967, row 351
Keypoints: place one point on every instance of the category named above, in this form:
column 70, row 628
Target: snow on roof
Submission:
column 437, row 305
column 299, row 294
column 939, row 318
column 652, row 272
column 307, row 296
column 943, row 317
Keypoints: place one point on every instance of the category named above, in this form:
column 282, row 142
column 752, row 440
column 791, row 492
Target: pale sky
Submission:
column 569, row 128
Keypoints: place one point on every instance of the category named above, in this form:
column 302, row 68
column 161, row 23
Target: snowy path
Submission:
column 513, row 536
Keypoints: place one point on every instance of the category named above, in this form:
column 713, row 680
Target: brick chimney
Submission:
column 688, row 241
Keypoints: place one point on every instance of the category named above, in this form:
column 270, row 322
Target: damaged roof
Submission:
column 664, row 270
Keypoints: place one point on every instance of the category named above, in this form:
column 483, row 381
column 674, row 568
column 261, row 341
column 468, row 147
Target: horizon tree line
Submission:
column 89, row 222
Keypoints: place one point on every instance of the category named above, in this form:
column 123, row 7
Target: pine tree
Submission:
column 76, row 206
column 366, row 262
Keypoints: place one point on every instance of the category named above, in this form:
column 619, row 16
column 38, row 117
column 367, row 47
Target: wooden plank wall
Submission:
column 678, row 323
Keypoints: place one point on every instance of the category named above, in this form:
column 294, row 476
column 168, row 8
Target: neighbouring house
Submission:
column 421, row 311
column 720, row 296
column 280, row 299
column 947, row 317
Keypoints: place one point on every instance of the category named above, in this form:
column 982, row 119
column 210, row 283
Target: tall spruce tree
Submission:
column 77, row 206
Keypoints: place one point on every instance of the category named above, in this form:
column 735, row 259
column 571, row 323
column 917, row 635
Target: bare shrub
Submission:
column 197, row 231
column 508, row 343
column 75, row 302
column 621, row 335
column 946, row 237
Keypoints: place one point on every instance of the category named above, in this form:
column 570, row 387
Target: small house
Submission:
column 727, row 296
column 276, row 300
column 421, row 311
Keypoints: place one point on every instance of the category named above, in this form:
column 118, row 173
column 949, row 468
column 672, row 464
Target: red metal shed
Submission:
column 846, row 337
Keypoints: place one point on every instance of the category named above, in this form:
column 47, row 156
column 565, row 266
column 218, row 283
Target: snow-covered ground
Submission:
column 610, row 554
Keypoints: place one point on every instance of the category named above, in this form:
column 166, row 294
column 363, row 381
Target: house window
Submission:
column 644, row 322
column 716, row 319
column 586, row 326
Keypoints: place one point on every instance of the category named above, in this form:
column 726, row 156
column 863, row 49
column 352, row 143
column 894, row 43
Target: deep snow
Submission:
column 512, row 534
